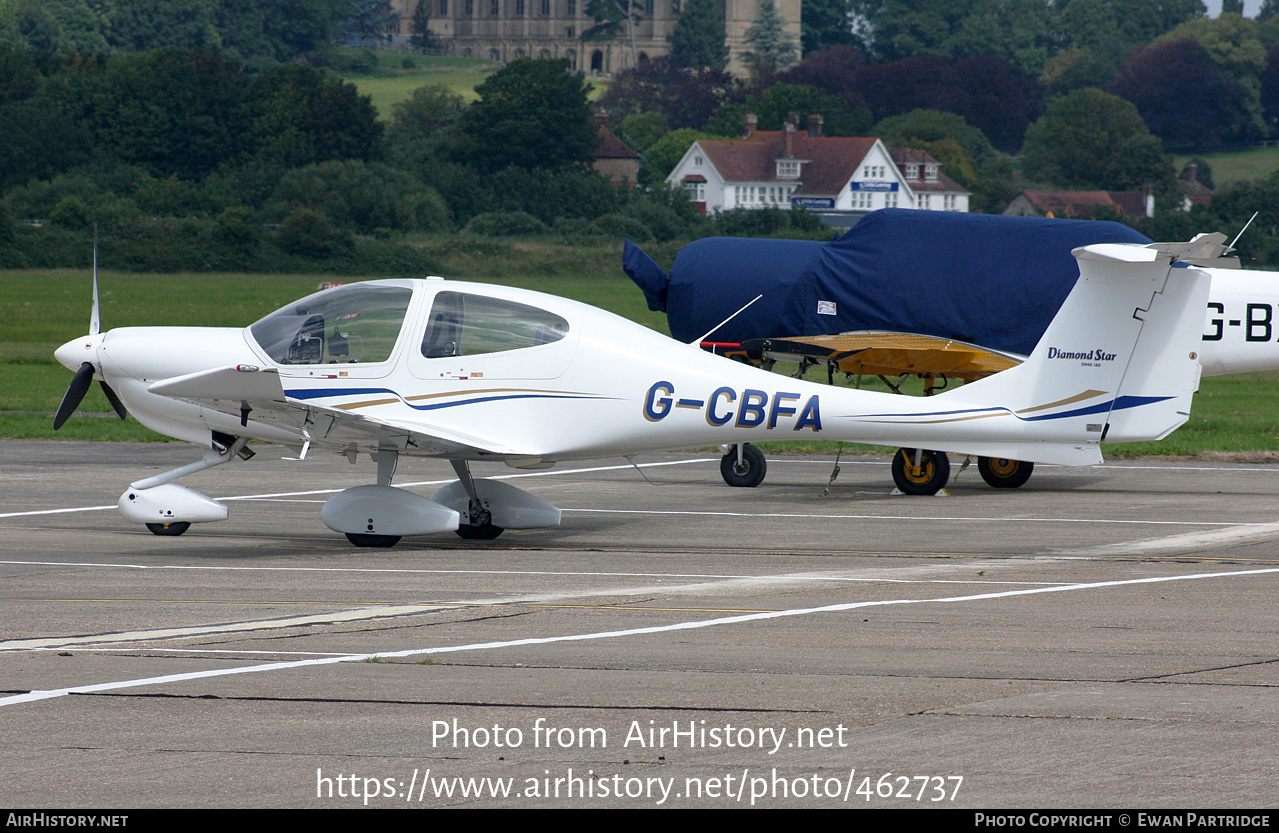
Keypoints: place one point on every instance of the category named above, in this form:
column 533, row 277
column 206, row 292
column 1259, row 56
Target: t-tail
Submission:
column 1118, row 363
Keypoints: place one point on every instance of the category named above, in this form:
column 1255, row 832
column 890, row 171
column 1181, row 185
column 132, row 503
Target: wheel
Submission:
column 1004, row 474
column 479, row 532
column 169, row 530
column 364, row 539
column 749, row 472
column 927, row 479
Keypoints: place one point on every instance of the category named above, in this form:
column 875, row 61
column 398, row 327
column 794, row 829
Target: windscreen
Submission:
column 355, row 324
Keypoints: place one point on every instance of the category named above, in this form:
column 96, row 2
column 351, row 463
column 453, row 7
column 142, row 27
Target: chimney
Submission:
column 1150, row 202
column 814, row 126
column 748, row 126
column 601, row 119
column 789, row 132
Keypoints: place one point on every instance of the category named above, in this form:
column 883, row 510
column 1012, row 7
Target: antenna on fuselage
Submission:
column 1245, row 228
column 697, row 341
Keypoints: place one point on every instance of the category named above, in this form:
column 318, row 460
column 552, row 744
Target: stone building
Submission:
column 503, row 30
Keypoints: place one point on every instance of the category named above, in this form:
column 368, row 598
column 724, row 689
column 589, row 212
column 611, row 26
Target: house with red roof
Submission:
column 1080, row 205
column 840, row 178
column 614, row 159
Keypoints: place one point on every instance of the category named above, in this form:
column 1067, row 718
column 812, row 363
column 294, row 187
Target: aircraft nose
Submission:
column 77, row 351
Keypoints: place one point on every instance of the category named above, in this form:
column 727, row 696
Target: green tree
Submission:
column 825, row 23
column 776, row 104
column 1112, row 27
column 1071, row 69
column 370, row 20
column 910, row 129
column 300, row 116
column 899, row 29
column 53, row 25
column 310, row 234
column 41, row 133
column 641, row 130
column 1090, row 139
column 361, row 197
column 140, row 25
column 428, row 111
column 697, row 40
column 303, row 27
column 423, row 126
column 665, row 154
column 173, row 112
column 530, row 114
column 1234, row 45
column 612, row 18
column 422, row 38
column 264, row 32
column 964, row 151
column 1023, row 31
column 772, row 48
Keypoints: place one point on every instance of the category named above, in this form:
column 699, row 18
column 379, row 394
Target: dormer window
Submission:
column 912, row 171
column 930, row 173
column 788, row 169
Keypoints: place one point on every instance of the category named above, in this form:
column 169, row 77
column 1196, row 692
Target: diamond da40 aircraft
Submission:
column 476, row 373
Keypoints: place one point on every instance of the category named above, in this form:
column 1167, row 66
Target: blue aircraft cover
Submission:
column 985, row 279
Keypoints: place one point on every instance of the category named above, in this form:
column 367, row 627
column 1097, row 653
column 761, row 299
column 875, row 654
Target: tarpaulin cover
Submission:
column 989, row 280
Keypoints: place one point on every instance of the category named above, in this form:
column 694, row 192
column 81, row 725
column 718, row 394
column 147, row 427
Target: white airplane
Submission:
column 473, row 373
column 890, row 297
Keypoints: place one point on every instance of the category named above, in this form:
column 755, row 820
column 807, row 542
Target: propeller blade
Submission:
column 114, row 400
column 75, row 393
column 95, row 314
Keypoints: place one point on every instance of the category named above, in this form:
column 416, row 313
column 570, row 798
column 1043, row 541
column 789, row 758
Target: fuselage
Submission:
column 1241, row 330
column 532, row 378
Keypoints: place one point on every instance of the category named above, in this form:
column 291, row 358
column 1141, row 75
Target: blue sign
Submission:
column 872, row 186
column 813, row 202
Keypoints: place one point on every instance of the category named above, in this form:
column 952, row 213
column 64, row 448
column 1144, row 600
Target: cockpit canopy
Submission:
column 360, row 324
column 462, row 324
column 355, row 324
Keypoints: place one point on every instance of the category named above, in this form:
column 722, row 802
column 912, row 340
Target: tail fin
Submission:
column 1119, row 360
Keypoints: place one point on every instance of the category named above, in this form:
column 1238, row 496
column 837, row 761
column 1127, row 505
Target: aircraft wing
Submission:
column 887, row 354
column 258, row 394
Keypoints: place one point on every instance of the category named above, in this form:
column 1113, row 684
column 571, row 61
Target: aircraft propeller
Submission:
column 84, row 375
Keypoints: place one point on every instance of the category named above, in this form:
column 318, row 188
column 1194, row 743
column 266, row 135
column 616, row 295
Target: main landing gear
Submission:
column 919, row 471
column 743, row 465
column 1004, row 474
column 915, row 472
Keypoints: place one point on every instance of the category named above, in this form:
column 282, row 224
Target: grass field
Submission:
column 1233, row 415
column 1229, row 167
column 392, row 82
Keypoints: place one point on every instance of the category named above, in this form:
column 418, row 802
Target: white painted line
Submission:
column 681, row 626
column 692, row 584
column 574, row 573
column 1190, row 541
column 56, row 511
